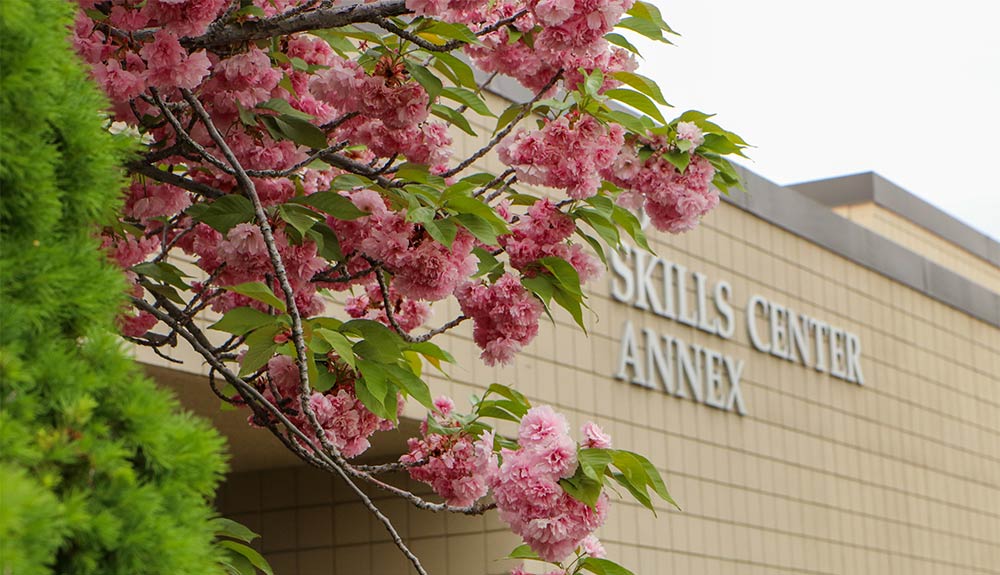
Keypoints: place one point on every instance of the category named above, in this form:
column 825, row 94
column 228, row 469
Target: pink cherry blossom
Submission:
column 594, row 436
column 505, row 317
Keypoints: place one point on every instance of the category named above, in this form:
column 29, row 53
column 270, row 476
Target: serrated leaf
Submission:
column 468, row 98
column 243, row 320
column 372, row 387
column 478, row 227
column 431, row 83
column 453, row 117
column 260, row 349
column 412, row 385
column 301, row 131
column 164, row 272
column 644, row 27
column 627, row 221
column 488, row 263
column 523, row 551
column 229, row 528
column 334, row 204
column 635, row 124
column 339, row 343
column 223, row 213
column 456, row 31
column 255, row 558
column 599, row 566
column 299, row 217
column 637, row 100
column 643, row 84
column 284, row 108
column 679, row 160
column 443, row 231
column 621, row 41
column 507, row 116
column 260, row 292
column 327, row 243
column 566, row 275
column 462, row 71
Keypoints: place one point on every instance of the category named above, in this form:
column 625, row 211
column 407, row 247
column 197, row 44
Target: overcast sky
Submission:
column 908, row 89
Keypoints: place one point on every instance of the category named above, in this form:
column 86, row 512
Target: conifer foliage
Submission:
column 99, row 470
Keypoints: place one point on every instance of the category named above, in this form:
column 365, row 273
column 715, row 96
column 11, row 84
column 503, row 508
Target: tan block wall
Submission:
column 923, row 242
column 901, row 475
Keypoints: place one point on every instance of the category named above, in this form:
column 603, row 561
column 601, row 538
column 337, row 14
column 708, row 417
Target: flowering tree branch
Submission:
column 289, row 152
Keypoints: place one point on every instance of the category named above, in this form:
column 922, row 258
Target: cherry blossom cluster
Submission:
column 457, row 466
column 543, row 232
column 674, row 200
column 527, row 491
column 568, row 153
column 566, row 35
column 346, row 422
column 505, row 315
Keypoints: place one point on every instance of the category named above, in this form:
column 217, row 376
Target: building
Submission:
column 814, row 369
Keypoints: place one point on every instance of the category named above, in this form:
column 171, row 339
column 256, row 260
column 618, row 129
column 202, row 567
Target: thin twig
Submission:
column 506, row 130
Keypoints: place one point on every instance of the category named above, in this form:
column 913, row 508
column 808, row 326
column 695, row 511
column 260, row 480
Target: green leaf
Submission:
column 327, row 243
column 594, row 81
column 242, row 320
column 635, row 124
column 582, row 488
column 260, row 349
column 284, row 108
column 459, row 32
column 523, row 551
column 478, row 227
column 642, row 84
column 431, row 83
column 644, row 27
column 602, row 225
column 301, row 131
column 600, row 566
column 443, row 231
column 339, row 343
column 412, row 385
column 469, row 98
column 621, row 41
column 432, row 353
column 508, row 392
column 564, row 272
column 719, row 145
column 636, row 100
column 223, row 213
column 541, row 286
column 256, row 559
column 649, row 11
column 680, row 160
column 299, row 217
column 372, row 387
column 349, row 182
column 379, row 343
column 469, row 205
column 462, row 71
column 164, row 272
column 229, row 528
column 593, row 462
column 453, row 117
column 488, row 263
column 508, row 116
column 260, row 292
column 334, row 204
column 572, row 304
column 632, row 226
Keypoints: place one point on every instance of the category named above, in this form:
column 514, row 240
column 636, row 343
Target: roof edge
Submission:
column 871, row 187
column 813, row 221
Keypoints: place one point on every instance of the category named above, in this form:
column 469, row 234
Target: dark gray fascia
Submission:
column 871, row 187
column 808, row 219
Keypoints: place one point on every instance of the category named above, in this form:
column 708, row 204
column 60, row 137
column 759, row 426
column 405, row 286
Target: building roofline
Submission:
column 815, row 222
column 790, row 209
column 871, row 187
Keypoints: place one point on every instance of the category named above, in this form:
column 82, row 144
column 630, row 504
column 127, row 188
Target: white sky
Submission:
column 909, row 89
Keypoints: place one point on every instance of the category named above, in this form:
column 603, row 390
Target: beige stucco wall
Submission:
column 901, row 475
column 911, row 236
